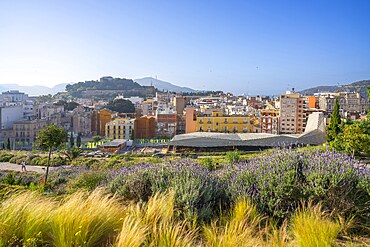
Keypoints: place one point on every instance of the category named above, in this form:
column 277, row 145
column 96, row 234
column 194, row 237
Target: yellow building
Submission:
column 120, row 128
column 217, row 122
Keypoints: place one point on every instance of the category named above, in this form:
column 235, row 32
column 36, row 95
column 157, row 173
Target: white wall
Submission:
column 10, row 114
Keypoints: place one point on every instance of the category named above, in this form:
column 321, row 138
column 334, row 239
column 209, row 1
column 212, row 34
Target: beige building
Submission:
column 82, row 120
column 291, row 114
column 25, row 131
column 348, row 103
column 120, row 128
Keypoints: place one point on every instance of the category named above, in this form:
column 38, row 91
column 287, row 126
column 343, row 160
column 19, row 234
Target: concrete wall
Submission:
column 10, row 114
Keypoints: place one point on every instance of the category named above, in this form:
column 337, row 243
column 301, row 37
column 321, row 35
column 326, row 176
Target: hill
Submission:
column 163, row 85
column 359, row 86
column 36, row 90
column 108, row 87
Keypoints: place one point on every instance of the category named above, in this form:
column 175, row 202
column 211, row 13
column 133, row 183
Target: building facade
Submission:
column 291, row 113
column 144, row 127
column 26, row 131
column 218, row 122
column 120, row 128
column 269, row 121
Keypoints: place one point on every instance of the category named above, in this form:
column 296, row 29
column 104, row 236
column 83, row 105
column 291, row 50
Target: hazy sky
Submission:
column 255, row 46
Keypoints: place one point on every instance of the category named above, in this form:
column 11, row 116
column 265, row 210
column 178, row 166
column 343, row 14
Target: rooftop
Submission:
column 313, row 135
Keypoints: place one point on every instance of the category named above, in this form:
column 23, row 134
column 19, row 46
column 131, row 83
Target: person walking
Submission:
column 23, row 166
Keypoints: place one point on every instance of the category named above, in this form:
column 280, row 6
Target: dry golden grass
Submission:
column 156, row 224
column 25, row 217
column 311, row 226
column 85, row 219
column 100, row 219
column 242, row 229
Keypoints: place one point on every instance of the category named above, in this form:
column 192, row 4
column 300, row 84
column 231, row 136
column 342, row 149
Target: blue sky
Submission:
column 255, row 47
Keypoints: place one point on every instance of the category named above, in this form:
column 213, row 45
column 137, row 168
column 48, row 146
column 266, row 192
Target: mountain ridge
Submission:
column 357, row 86
column 163, row 85
column 36, row 90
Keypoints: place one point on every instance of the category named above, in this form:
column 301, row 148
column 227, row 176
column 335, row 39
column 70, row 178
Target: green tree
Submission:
column 335, row 120
column 68, row 106
column 8, row 146
column 51, row 138
column 71, row 140
column 354, row 140
column 78, row 140
column 121, row 106
column 3, row 146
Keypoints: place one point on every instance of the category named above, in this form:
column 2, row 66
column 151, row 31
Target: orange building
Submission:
column 100, row 119
column 144, row 127
column 190, row 120
column 312, row 102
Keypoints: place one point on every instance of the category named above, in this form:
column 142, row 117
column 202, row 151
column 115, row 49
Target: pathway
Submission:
column 6, row 166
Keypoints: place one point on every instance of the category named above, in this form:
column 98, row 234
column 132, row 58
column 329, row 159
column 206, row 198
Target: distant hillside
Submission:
column 34, row 90
column 163, row 85
column 359, row 86
column 108, row 87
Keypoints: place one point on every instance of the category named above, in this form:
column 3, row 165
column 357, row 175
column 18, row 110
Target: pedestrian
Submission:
column 23, row 166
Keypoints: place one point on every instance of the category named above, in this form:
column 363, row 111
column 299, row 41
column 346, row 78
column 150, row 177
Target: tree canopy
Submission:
column 121, row 106
column 105, row 83
column 51, row 137
column 68, row 106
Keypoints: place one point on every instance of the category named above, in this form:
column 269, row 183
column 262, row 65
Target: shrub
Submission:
column 19, row 178
column 198, row 192
column 60, row 177
column 88, row 180
column 232, row 156
column 5, row 157
column 87, row 162
column 279, row 181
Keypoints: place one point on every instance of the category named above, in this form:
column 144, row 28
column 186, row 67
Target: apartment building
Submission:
column 269, row 121
column 291, row 114
column 120, row 128
column 25, row 131
column 218, row 122
column 144, row 127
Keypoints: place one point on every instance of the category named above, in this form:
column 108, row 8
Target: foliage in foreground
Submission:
column 100, row 219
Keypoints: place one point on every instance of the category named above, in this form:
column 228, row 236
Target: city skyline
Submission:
column 263, row 47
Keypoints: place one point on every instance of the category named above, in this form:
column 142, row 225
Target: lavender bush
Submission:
column 198, row 192
column 279, row 181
